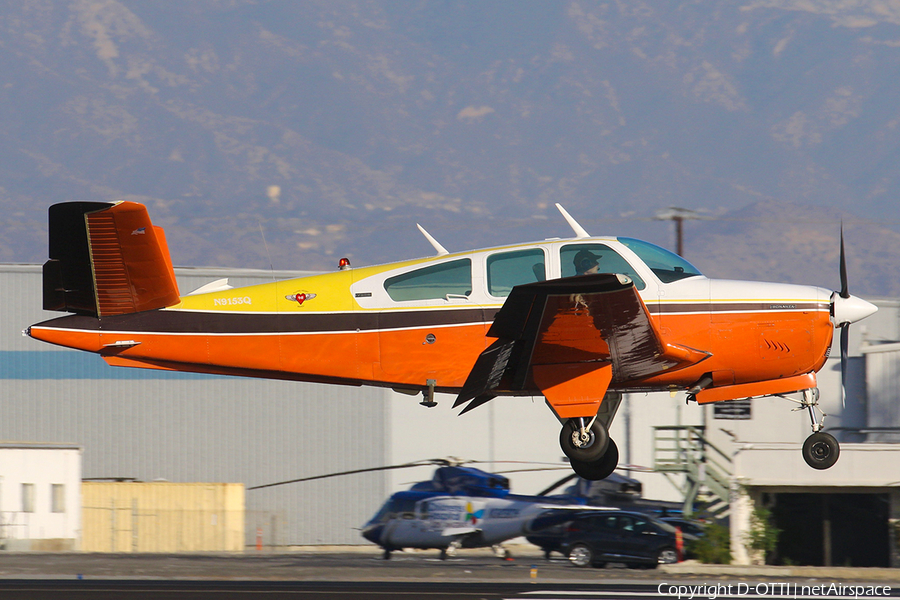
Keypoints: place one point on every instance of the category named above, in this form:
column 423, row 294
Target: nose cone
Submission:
column 373, row 533
column 850, row 310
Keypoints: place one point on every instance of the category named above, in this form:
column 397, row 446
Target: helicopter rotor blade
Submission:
column 420, row 463
column 562, row 481
column 535, row 469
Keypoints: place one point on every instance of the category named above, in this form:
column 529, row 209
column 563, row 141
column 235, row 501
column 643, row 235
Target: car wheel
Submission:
column 666, row 556
column 581, row 556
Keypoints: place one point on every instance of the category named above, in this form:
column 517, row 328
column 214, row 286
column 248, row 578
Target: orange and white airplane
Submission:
column 567, row 319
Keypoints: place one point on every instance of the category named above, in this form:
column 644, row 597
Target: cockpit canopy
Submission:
column 488, row 276
column 465, row 480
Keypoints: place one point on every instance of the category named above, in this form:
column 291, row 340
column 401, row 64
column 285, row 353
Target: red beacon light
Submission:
column 344, row 264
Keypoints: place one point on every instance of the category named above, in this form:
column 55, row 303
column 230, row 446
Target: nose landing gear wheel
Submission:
column 821, row 450
column 598, row 469
column 584, row 446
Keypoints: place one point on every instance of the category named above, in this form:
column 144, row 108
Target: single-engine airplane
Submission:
column 567, row 319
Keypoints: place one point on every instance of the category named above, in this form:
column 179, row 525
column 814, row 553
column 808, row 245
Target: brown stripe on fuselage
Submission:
column 738, row 307
column 175, row 321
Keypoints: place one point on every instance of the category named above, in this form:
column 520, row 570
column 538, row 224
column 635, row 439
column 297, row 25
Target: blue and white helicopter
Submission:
column 464, row 507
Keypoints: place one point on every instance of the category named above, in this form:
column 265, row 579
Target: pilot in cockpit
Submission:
column 586, row 263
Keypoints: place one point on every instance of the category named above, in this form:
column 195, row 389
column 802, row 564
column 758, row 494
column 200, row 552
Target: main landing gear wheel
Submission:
column 598, row 469
column 821, row 450
column 581, row 442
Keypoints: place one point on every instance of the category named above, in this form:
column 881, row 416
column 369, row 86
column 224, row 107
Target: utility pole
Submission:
column 679, row 216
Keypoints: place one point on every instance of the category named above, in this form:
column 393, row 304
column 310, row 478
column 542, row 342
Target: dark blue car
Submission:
column 634, row 539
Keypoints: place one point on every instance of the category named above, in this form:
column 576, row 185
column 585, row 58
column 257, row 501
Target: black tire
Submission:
column 599, row 469
column 581, row 555
column 589, row 452
column 821, row 450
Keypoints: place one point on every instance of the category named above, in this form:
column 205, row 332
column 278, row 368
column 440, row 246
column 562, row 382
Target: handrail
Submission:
column 697, row 430
column 683, row 449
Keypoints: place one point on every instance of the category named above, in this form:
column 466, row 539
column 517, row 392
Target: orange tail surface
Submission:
column 107, row 259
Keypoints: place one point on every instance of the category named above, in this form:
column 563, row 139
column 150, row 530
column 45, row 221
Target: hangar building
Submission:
column 148, row 425
column 145, row 425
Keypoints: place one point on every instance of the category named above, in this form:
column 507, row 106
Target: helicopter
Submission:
column 460, row 507
column 566, row 319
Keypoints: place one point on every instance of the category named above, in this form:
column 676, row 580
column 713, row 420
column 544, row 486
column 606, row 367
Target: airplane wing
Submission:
column 570, row 338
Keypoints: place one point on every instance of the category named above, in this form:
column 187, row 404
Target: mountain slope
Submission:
column 291, row 133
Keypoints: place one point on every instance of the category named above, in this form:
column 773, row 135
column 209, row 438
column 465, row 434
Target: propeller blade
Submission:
column 845, row 339
column 845, row 291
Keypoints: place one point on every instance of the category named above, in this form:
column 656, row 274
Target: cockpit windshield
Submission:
column 666, row 265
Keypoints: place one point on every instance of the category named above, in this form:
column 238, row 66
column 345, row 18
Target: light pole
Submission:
column 679, row 216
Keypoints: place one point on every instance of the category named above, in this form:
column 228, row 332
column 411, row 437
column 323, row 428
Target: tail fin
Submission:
column 107, row 258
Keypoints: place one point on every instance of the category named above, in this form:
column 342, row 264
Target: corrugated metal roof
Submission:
column 37, row 446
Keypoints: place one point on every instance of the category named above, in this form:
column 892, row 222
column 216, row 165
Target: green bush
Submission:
column 763, row 534
column 714, row 547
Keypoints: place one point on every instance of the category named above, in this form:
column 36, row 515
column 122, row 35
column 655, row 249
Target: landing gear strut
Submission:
column 592, row 454
column 820, row 450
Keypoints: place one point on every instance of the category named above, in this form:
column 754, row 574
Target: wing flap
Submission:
column 583, row 330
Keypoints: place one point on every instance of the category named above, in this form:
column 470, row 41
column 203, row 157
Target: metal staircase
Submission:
column 684, row 449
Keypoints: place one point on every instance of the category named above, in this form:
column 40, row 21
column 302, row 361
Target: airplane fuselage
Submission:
column 408, row 324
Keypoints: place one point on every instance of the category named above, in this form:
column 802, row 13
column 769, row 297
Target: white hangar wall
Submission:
column 149, row 425
column 40, row 497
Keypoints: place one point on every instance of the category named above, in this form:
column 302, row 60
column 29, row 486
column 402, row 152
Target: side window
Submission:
column 57, row 498
column 403, row 507
column 428, row 283
column 28, row 497
column 505, row 270
column 581, row 259
column 640, row 526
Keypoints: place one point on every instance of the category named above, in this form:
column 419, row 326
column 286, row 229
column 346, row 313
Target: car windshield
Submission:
column 667, row 527
column 666, row 265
